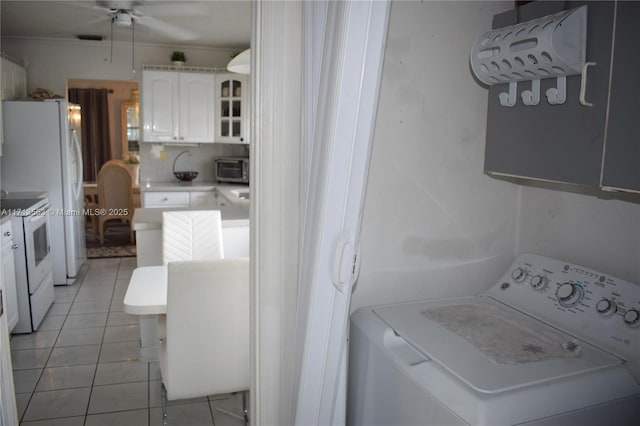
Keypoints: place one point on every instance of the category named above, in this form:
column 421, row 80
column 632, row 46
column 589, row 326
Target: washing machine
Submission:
column 551, row 343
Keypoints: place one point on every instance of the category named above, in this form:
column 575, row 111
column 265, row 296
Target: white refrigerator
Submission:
column 42, row 152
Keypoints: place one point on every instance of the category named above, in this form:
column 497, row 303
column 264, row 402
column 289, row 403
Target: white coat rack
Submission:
column 550, row 47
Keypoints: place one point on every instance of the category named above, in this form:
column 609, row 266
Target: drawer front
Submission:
column 203, row 199
column 166, row 199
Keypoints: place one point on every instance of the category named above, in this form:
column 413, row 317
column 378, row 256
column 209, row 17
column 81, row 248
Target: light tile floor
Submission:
column 82, row 366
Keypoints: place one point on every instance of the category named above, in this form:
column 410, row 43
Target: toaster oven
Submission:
column 232, row 169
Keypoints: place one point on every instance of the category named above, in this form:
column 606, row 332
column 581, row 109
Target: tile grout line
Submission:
column 26, row 408
column 104, row 331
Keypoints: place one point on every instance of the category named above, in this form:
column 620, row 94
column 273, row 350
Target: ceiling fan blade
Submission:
column 91, row 23
column 183, row 8
column 165, row 28
column 117, row 4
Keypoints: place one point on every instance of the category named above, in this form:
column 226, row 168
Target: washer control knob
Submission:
column 632, row 317
column 569, row 294
column 606, row 307
column 519, row 275
column 539, row 282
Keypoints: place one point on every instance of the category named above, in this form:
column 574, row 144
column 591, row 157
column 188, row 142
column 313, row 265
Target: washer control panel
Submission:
column 591, row 305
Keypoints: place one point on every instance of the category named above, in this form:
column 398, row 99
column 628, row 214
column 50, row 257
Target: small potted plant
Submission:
column 178, row 58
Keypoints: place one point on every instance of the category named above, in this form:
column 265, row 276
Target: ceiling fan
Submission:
column 136, row 13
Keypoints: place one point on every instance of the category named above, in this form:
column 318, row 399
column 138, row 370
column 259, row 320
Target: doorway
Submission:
column 116, row 138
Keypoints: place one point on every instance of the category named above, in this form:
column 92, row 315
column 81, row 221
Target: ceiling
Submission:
column 210, row 23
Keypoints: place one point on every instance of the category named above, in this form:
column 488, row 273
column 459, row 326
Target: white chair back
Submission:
column 191, row 235
column 206, row 350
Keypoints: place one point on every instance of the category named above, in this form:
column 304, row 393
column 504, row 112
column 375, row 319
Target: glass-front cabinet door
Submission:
column 232, row 94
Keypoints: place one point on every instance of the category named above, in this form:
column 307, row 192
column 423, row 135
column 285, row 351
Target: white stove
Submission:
column 549, row 343
column 32, row 257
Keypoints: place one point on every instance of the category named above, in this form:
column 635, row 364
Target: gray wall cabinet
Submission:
column 621, row 166
column 597, row 146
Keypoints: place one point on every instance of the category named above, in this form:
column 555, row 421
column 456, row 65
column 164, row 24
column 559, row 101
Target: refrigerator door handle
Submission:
column 79, row 168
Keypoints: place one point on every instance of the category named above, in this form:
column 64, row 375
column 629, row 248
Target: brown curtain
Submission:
column 96, row 140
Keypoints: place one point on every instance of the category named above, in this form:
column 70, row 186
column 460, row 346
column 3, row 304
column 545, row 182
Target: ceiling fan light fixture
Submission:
column 122, row 19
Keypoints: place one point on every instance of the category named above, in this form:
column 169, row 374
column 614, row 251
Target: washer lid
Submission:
column 490, row 346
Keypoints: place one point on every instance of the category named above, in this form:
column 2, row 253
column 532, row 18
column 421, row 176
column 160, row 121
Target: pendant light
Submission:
column 241, row 64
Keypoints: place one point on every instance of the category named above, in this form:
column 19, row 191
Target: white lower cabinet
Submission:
column 8, row 410
column 204, row 200
column 10, row 293
column 177, row 199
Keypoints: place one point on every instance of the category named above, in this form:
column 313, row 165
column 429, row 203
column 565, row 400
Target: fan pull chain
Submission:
column 111, row 53
column 133, row 56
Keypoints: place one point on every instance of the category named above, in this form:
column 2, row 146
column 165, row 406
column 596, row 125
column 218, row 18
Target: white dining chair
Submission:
column 191, row 235
column 206, row 348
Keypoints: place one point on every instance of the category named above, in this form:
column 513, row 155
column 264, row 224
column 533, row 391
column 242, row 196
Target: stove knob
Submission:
column 606, row 307
column 632, row 317
column 569, row 294
column 519, row 275
column 539, row 282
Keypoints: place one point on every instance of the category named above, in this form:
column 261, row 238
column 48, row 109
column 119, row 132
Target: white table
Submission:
column 147, row 291
column 147, row 297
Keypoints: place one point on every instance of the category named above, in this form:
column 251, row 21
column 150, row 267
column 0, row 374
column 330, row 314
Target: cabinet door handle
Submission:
column 7, row 233
column 583, row 85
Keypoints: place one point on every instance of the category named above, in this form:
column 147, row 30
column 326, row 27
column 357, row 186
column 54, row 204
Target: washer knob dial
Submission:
column 519, row 275
column 569, row 294
column 606, row 307
column 632, row 317
column 539, row 282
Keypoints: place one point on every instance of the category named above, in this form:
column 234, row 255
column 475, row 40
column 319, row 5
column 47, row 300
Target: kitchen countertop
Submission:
column 5, row 216
column 151, row 219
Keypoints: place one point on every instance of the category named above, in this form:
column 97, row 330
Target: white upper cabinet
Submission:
column 232, row 95
column 178, row 107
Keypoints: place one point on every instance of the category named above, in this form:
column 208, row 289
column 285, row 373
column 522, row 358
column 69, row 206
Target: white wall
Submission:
column 596, row 233
column 154, row 169
column 434, row 225
column 50, row 63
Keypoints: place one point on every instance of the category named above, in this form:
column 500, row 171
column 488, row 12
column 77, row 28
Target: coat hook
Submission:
column 583, row 85
column 557, row 96
column 509, row 99
column 532, row 97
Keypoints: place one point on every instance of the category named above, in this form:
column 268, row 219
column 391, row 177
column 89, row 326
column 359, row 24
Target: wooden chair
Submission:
column 115, row 196
column 91, row 203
